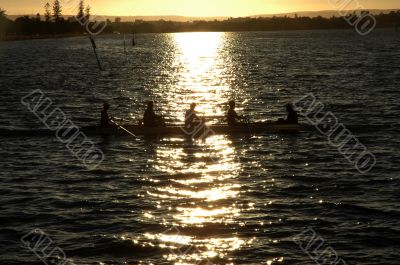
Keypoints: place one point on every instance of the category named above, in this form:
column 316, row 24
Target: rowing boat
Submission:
column 252, row 128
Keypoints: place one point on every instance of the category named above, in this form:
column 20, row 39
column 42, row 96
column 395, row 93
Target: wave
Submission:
column 25, row 133
column 116, row 248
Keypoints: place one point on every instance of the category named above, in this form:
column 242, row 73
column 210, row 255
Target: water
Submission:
column 229, row 199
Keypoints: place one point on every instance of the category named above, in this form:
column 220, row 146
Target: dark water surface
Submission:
column 229, row 199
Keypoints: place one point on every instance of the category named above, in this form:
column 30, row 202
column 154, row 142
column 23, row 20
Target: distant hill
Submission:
column 324, row 13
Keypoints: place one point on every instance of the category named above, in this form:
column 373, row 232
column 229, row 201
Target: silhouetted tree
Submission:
column 87, row 16
column 57, row 10
column 38, row 18
column 81, row 8
column 47, row 13
column 3, row 22
column 2, row 13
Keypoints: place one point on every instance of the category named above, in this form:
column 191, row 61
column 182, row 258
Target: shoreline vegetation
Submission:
column 54, row 25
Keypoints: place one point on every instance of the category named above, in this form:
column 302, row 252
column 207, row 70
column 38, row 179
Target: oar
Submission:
column 123, row 128
column 124, row 45
column 120, row 119
column 248, row 123
column 200, row 114
column 213, row 116
column 95, row 52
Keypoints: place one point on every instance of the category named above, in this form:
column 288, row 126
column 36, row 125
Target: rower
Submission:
column 105, row 120
column 150, row 118
column 292, row 117
column 232, row 117
column 191, row 117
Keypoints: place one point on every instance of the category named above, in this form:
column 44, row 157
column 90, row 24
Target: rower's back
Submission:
column 190, row 116
column 150, row 117
column 293, row 117
column 105, row 120
column 232, row 117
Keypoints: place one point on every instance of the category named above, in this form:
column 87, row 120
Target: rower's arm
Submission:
column 239, row 117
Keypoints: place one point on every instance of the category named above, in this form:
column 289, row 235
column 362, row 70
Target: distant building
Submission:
column 117, row 20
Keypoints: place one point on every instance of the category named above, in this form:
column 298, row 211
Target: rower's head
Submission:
column 192, row 106
column 150, row 104
column 106, row 106
column 289, row 107
column 232, row 104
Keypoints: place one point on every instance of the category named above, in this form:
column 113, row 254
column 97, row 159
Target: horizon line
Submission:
column 255, row 15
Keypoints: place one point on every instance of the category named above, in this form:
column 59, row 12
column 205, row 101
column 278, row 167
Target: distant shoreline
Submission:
column 10, row 38
column 25, row 28
column 178, row 18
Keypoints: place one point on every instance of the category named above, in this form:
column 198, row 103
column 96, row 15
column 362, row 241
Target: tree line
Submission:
column 254, row 24
column 55, row 12
column 53, row 22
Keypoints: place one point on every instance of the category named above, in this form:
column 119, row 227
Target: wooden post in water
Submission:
column 124, row 44
column 95, row 52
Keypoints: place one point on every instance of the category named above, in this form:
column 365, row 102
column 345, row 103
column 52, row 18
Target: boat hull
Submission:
column 200, row 131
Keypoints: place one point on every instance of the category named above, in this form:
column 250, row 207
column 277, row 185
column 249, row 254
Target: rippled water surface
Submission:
column 227, row 199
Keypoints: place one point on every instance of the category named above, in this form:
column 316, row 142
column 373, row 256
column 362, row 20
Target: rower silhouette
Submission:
column 232, row 117
column 191, row 117
column 105, row 121
column 292, row 117
column 150, row 118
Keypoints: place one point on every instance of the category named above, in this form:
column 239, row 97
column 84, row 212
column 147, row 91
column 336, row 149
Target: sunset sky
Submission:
column 200, row 8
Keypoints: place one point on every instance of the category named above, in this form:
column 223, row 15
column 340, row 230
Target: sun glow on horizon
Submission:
column 192, row 8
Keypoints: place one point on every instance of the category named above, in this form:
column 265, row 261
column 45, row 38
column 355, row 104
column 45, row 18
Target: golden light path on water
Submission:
column 196, row 191
column 203, row 173
column 199, row 64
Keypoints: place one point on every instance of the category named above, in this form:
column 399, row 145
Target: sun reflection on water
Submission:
column 199, row 182
column 199, row 65
column 200, row 216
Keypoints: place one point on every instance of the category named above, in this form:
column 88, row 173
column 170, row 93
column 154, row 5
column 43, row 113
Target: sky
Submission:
column 195, row 8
